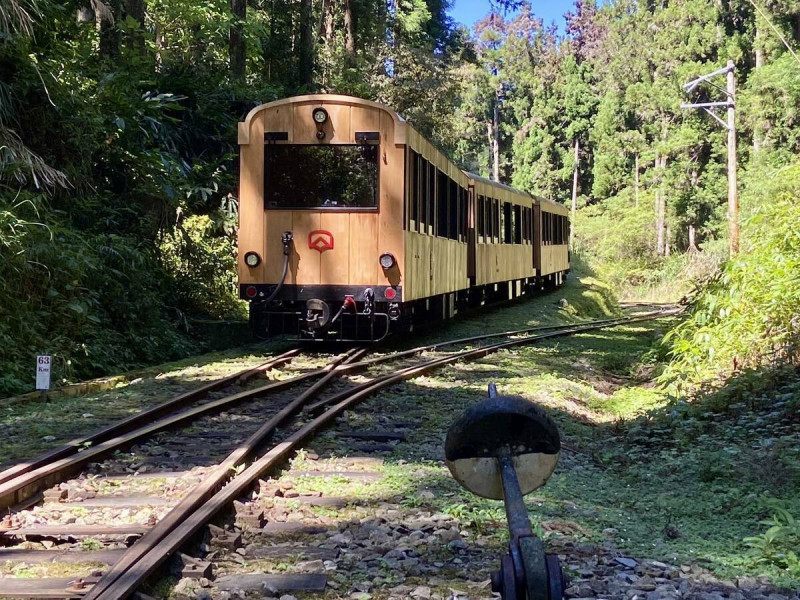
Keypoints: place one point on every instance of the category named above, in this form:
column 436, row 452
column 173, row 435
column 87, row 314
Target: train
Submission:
column 352, row 225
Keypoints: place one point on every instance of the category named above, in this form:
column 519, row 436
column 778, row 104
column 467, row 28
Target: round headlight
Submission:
column 252, row 259
column 387, row 260
column 320, row 116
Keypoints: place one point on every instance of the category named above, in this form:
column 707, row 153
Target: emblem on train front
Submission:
column 320, row 240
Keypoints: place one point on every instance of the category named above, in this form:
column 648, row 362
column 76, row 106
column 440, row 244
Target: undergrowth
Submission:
column 746, row 316
column 616, row 240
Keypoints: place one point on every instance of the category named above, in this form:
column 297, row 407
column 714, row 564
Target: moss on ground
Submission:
column 653, row 475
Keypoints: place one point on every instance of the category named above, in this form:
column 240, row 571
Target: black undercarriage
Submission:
column 321, row 313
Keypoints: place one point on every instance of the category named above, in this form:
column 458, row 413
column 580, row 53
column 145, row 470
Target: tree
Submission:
column 237, row 45
column 107, row 13
column 135, row 10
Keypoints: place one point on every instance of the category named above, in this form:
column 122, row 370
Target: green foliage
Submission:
column 92, row 300
column 778, row 545
column 118, row 166
column 746, row 316
column 203, row 260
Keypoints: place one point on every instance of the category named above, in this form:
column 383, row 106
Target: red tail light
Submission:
column 251, row 291
column 390, row 293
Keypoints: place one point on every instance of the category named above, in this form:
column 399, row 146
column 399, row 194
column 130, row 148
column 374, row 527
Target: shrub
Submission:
column 747, row 315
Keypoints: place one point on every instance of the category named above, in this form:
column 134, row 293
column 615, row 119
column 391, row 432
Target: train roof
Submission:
column 493, row 183
column 400, row 132
column 244, row 127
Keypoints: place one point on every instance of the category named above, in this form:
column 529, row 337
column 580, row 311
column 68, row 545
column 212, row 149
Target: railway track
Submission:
column 279, row 412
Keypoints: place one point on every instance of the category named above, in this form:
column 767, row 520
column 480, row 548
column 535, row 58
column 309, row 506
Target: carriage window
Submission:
column 441, row 204
column 464, row 209
column 548, row 230
column 329, row 176
column 502, row 236
column 529, row 228
column 430, row 196
column 506, row 223
column 413, row 192
column 524, row 225
column 517, row 220
column 496, row 219
column 454, row 210
column 545, row 228
column 481, row 216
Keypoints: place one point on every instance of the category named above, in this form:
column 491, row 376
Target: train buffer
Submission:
column 503, row 448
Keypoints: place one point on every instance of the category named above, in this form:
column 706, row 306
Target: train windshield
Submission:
column 320, row 176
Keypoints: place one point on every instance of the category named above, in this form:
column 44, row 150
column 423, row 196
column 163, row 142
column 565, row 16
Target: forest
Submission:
column 118, row 167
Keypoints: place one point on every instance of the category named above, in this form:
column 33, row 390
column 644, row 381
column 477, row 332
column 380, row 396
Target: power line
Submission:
column 776, row 30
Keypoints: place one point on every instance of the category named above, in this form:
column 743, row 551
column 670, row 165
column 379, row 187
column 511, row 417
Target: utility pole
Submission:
column 733, row 190
column 730, row 125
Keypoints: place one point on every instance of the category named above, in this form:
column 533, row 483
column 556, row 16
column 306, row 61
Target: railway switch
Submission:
column 504, row 448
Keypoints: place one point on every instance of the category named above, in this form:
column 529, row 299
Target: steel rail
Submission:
column 421, row 349
column 74, row 446
column 567, row 329
column 126, row 582
column 215, row 480
column 106, row 433
column 48, row 469
column 20, row 488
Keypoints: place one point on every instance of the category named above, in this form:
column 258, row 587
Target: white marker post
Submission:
column 43, row 362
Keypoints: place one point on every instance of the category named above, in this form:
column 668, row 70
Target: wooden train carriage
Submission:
column 551, row 232
column 350, row 220
column 329, row 170
column 504, row 225
column 436, row 229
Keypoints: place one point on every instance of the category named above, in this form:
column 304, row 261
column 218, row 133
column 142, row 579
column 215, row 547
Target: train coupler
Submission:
column 504, row 448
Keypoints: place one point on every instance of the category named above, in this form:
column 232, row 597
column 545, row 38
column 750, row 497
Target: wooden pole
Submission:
column 733, row 194
column 496, row 138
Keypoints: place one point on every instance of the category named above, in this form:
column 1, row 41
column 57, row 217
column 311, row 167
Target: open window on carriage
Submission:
column 321, row 177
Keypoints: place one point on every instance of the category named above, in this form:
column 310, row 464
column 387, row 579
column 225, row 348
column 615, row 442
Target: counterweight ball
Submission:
column 475, row 440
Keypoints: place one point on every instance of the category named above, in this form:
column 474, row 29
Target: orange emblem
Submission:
column 320, row 240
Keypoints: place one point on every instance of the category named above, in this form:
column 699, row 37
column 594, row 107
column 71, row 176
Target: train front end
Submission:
column 320, row 218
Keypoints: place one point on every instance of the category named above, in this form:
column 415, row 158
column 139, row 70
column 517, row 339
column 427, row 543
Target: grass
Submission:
column 649, row 474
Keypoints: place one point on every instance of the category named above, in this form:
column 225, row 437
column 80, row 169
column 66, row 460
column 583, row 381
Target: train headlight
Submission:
column 320, row 116
column 387, row 260
column 252, row 259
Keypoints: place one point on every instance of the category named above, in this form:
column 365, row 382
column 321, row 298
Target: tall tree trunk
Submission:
column 107, row 12
column 692, row 240
column 306, row 50
column 135, row 9
column 575, row 170
column 494, row 133
column 660, row 206
column 759, row 46
column 636, row 179
column 269, row 45
column 158, row 42
column 667, row 236
column 328, row 19
column 797, row 27
column 236, row 42
column 349, row 32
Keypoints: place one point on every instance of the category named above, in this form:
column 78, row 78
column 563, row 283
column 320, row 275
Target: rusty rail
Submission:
column 167, row 537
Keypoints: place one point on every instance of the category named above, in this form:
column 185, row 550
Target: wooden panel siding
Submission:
column 359, row 237
column 427, row 264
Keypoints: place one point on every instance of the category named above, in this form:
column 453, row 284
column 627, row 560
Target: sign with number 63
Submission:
column 43, row 362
